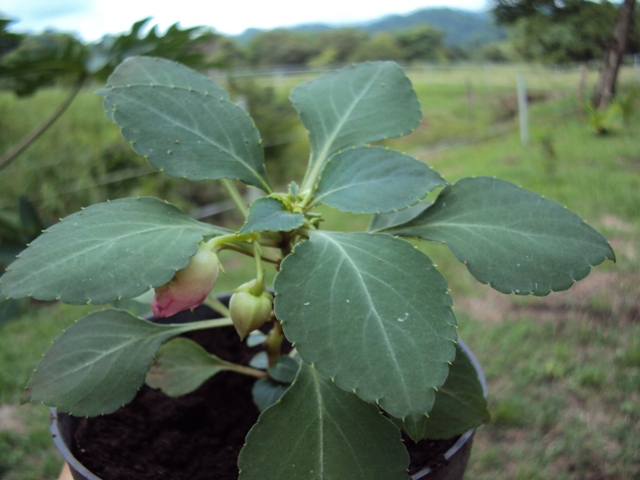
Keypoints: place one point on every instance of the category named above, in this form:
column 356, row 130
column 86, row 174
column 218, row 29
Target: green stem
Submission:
column 218, row 306
column 274, row 342
column 201, row 325
column 246, row 370
column 257, row 254
column 248, row 253
column 235, row 196
column 223, row 240
column 27, row 141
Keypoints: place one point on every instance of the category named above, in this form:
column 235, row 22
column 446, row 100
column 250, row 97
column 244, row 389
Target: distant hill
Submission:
column 461, row 27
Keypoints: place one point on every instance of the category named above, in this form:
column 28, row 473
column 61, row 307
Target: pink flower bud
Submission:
column 190, row 286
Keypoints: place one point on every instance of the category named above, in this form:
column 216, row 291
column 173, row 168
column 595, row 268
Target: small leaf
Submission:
column 260, row 361
column 186, row 132
column 360, row 104
column 510, row 238
column 322, row 433
column 284, row 370
column 385, row 221
column 99, row 363
column 255, row 338
column 460, row 403
column 374, row 180
column 269, row 214
column 181, row 366
column 108, row 251
column 267, row 391
column 371, row 312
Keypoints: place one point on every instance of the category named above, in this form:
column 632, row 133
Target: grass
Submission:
column 563, row 371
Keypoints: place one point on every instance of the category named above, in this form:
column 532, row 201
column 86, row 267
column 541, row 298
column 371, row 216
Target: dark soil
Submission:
column 198, row 436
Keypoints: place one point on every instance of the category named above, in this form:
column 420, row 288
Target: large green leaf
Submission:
column 318, row 431
column 370, row 312
column 145, row 71
column 269, row 214
column 186, row 132
column 99, row 363
column 181, row 366
column 108, row 251
column 374, row 180
column 383, row 221
column 460, row 403
column 511, row 238
column 356, row 105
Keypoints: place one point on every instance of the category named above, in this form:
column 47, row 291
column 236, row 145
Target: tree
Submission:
column 282, row 47
column 42, row 60
column 423, row 42
column 381, row 47
column 572, row 30
column 339, row 45
column 579, row 35
column 613, row 56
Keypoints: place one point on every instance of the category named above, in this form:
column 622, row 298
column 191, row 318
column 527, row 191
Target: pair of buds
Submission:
column 250, row 305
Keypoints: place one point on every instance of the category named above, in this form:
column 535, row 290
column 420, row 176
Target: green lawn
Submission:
column 563, row 371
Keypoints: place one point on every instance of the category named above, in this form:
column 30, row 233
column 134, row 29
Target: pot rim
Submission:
column 465, row 437
column 76, row 466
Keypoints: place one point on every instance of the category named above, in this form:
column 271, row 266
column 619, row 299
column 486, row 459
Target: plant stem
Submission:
column 27, row 141
column 249, row 254
column 274, row 342
column 247, row 370
column 202, row 325
column 217, row 305
column 235, row 196
column 257, row 254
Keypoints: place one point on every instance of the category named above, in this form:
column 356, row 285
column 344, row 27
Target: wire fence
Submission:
column 559, row 78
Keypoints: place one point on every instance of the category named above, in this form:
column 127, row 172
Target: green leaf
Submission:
column 460, row 403
column 186, row 132
column 510, row 238
column 267, row 391
column 374, row 180
column 384, row 221
column 181, row 366
column 323, row 433
column 370, row 312
column 284, row 370
column 145, row 71
column 269, row 214
column 108, row 251
column 99, row 363
column 351, row 107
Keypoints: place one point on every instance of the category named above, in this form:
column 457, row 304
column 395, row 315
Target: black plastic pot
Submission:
column 64, row 426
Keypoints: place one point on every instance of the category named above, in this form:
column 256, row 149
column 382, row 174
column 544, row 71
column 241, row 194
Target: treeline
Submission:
column 342, row 45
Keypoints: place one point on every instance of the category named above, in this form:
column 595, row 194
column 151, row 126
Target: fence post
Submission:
column 470, row 100
column 523, row 110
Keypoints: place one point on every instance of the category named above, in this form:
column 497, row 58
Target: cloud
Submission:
column 92, row 19
column 38, row 10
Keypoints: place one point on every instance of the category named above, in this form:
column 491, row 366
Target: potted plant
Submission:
column 367, row 314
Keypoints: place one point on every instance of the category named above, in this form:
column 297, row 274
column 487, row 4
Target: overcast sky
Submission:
column 91, row 19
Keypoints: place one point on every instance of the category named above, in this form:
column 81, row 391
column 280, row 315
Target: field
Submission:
column 563, row 371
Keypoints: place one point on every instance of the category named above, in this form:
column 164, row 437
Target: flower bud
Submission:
column 190, row 286
column 249, row 311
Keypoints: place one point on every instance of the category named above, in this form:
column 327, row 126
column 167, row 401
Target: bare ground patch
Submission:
column 600, row 296
column 10, row 420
